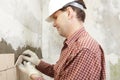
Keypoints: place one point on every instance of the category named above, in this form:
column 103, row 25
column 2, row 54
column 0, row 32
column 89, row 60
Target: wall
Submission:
column 20, row 27
column 23, row 24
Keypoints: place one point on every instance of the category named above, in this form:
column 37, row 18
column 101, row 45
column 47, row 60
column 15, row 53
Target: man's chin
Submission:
column 61, row 35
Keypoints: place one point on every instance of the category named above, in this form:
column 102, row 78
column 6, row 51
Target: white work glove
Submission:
column 28, row 68
column 30, row 57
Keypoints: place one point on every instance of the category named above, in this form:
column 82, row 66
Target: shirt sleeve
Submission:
column 85, row 66
column 46, row 68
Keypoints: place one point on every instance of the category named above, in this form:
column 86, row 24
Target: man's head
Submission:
column 67, row 15
column 56, row 5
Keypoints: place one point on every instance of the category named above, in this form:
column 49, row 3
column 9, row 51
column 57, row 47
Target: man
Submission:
column 81, row 57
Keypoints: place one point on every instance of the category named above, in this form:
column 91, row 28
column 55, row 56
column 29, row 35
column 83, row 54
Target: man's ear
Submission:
column 70, row 12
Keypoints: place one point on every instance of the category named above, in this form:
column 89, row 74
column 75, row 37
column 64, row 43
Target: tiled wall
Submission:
column 7, row 69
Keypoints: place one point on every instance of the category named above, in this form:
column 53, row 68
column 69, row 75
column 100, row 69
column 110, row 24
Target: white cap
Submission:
column 55, row 5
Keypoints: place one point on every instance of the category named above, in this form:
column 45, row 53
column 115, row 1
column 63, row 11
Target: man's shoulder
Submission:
column 87, row 42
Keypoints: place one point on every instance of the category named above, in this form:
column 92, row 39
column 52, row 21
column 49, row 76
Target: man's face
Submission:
column 61, row 22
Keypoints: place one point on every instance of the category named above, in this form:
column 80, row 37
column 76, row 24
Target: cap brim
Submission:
column 49, row 19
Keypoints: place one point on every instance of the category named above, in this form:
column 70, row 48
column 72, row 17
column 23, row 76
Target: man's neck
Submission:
column 74, row 27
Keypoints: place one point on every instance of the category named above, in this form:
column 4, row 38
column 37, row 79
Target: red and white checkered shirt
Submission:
column 81, row 58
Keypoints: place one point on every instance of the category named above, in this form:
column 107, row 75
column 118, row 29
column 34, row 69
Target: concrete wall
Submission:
column 23, row 24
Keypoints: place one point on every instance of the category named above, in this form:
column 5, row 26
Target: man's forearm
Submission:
column 46, row 68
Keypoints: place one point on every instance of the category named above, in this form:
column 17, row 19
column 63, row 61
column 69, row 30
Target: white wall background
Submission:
column 22, row 22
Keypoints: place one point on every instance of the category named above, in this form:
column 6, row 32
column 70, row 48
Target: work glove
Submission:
column 28, row 68
column 30, row 57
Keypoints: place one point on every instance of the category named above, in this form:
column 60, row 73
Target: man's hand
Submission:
column 31, row 57
column 28, row 68
column 36, row 77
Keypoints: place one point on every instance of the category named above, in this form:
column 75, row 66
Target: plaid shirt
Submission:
column 81, row 58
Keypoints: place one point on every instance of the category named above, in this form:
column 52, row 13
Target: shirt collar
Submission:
column 74, row 37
